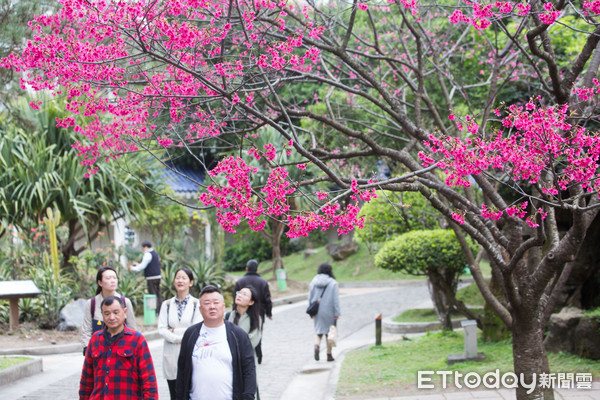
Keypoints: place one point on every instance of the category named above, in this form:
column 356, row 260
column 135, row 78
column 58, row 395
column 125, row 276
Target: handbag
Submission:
column 332, row 336
column 313, row 308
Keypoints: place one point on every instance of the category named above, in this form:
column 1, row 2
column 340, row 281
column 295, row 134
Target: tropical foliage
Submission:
column 39, row 169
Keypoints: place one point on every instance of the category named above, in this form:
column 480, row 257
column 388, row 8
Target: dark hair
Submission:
column 252, row 311
column 210, row 289
column 101, row 271
column 146, row 244
column 252, row 265
column 108, row 300
column 325, row 269
column 187, row 271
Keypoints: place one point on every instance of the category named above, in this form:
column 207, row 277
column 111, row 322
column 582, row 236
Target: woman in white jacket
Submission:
column 176, row 315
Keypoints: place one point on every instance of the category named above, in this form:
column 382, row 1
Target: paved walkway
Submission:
column 288, row 371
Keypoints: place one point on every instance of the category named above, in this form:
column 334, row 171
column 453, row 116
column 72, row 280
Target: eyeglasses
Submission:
column 243, row 294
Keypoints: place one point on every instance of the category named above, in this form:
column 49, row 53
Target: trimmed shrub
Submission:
column 435, row 254
column 392, row 214
column 423, row 251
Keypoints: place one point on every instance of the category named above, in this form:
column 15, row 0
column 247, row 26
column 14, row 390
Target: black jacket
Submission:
column 262, row 287
column 242, row 353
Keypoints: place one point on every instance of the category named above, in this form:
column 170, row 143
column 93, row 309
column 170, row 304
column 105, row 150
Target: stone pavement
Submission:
column 288, row 371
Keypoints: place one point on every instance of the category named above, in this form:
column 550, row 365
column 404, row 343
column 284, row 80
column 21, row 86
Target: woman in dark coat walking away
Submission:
column 325, row 287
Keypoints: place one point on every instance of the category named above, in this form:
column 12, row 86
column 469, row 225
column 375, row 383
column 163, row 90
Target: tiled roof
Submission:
column 183, row 180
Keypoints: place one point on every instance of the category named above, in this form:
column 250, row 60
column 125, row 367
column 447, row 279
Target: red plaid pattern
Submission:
column 123, row 370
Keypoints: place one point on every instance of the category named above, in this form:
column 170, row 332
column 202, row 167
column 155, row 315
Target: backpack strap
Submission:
column 168, row 306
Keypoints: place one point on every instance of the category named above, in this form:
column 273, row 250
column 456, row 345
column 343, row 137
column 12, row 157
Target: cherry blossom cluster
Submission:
column 331, row 215
column 483, row 14
column 585, row 93
column 87, row 52
column 235, row 201
column 173, row 72
column 536, row 142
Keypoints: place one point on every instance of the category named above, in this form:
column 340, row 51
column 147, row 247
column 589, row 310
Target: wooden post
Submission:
column 378, row 330
column 13, row 318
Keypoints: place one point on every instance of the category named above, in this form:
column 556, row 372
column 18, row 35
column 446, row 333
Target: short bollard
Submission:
column 149, row 309
column 378, row 330
column 470, row 354
column 281, row 279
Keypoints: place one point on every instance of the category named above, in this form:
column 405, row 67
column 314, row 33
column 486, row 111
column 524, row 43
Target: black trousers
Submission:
column 172, row 387
column 154, row 288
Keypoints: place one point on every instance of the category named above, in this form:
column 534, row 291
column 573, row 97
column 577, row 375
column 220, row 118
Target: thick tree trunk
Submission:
column 441, row 303
column 530, row 358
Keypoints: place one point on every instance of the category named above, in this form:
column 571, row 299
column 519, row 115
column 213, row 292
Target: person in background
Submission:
column 107, row 281
column 118, row 364
column 325, row 287
column 176, row 315
column 263, row 296
column 245, row 315
column 151, row 266
column 216, row 361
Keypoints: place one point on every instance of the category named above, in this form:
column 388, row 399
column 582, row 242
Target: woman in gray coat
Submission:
column 325, row 287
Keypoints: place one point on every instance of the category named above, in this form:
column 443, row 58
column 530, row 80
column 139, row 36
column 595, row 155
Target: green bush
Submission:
column 56, row 293
column 421, row 252
column 391, row 214
column 132, row 286
column 206, row 273
column 250, row 247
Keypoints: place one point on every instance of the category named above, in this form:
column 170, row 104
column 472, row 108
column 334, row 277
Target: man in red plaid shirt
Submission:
column 118, row 364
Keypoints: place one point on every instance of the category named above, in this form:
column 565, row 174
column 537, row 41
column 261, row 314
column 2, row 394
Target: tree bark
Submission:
column 441, row 301
column 494, row 329
column 530, row 358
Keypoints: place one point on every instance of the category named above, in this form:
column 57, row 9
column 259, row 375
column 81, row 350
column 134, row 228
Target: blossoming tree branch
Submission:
column 488, row 109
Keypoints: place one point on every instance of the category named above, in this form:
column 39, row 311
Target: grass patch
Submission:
column 357, row 267
column 425, row 315
column 471, row 295
column 7, row 362
column 391, row 369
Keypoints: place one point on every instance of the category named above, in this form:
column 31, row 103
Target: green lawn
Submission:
column 7, row 362
column 357, row 267
column 392, row 369
column 424, row 315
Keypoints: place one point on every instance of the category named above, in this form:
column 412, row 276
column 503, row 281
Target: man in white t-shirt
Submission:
column 216, row 360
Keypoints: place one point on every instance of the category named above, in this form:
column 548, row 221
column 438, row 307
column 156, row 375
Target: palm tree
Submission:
column 39, row 168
